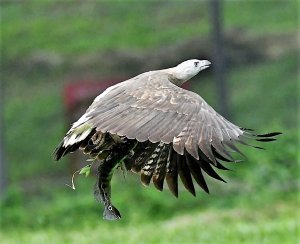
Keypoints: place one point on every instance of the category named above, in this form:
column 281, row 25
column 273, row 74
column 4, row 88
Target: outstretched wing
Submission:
column 178, row 133
column 152, row 108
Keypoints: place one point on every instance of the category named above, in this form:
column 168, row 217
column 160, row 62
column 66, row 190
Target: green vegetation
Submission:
column 123, row 25
column 72, row 216
column 258, row 205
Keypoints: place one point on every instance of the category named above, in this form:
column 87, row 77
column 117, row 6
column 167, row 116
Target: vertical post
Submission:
column 218, row 57
column 3, row 171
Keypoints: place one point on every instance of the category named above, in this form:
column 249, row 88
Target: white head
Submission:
column 188, row 69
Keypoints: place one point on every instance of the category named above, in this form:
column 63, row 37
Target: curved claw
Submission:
column 111, row 213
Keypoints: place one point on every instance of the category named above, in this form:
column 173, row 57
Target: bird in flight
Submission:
column 154, row 127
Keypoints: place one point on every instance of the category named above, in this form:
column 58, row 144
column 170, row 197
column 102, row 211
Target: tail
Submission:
column 72, row 141
column 62, row 150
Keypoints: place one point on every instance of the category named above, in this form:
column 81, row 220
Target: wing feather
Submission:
column 151, row 126
column 160, row 170
column 155, row 135
column 112, row 123
column 172, row 173
column 196, row 172
column 149, row 167
column 208, row 169
column 185, row 174
column 139, row 159
column 120, row 128
column 177, row 126
column 191, row 141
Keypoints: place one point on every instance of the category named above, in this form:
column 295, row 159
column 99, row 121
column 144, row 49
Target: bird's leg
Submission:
column 102, row 190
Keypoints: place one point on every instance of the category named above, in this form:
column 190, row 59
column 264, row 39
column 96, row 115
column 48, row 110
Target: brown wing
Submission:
column 178, row 133
column 150, row 107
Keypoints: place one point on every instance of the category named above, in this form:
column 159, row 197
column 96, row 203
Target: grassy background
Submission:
column 258, row 205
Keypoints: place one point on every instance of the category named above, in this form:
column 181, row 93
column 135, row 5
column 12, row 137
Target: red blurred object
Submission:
column 79, row 92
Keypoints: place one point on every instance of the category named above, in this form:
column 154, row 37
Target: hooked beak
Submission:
column 204, row 64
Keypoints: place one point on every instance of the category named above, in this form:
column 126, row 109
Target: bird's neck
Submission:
column 176, row 77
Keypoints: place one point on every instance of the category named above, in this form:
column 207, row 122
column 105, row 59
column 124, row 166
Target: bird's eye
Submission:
column 196, row 64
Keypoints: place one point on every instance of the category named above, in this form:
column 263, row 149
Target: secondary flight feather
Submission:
column 159, row 130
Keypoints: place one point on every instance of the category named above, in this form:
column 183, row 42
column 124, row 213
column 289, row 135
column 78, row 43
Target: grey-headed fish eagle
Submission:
column 157, row 129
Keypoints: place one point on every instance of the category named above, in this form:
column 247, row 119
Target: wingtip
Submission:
column 58, row 152
column 239, row 161
column 246, row 129
column 205, row 188
column 266, row 139
column 261, row 148
column 174, row 192
column 193, row 192
column 158, row 185
column 271, row 134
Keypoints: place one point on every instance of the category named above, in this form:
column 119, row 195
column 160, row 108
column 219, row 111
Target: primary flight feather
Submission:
column 159, row 130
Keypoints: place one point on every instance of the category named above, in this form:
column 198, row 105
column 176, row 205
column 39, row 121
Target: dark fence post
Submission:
column 219, row 58
column 3, row 170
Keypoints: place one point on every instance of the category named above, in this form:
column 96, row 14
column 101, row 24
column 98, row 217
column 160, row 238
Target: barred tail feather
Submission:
column 172, row 173
column 160, row 171
column 148, row 168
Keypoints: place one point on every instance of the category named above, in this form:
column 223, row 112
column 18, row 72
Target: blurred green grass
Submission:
column 67, row 216
column 259, row 203
column 100, row 30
